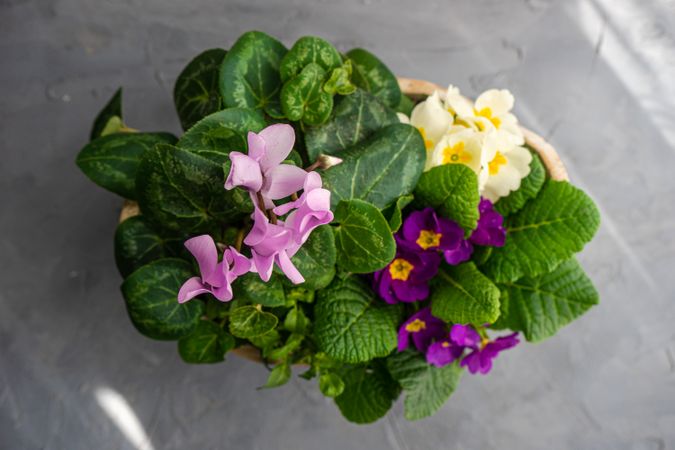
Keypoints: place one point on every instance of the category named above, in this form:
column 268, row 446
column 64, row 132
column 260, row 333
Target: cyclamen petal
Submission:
column 192, row 288
column 282, row 181
column 279, row 140
column 245, row 172
column 204, row 250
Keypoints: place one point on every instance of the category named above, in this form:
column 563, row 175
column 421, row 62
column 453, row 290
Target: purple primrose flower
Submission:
column 490, row 230
column 423, row 328
column 406, row 278
column 424, row 230
column 484, row 351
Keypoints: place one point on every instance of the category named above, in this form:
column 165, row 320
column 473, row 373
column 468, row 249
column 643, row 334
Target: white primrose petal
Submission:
column 499, row 101
column 431, row 119
column 456, row 103
column 403, row 118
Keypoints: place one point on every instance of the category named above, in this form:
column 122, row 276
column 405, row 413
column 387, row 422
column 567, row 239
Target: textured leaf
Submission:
column 370, row 74
column 529, row 188
column 151, row 295
column 218, row 134
column 463, row 295
column 196, row 93
column 452, row 190
column 316, row 258
column 111, row 113
column 207, row 344
column 182, row 191
column 426, row 387
column 351, row 324
column 354, row 118
column 309, row 50
column 249, row 76
column 539, row 307
column 395, row 214
column 363, row 239
column 380, row 169
column 339, row 81
column 296, row 321
column 303, row 97
column 137, row 243
column 293, row 343
column 547, row 231
column 249, row 322
column 112, row 161
column 331, row 385
column 255, row 290
column 368, row 394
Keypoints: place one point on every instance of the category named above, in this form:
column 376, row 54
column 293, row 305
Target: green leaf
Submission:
column 406, row 105
column 539, row 307
column 207, row 344
column 339, row 81
column 249, row 76
column 279, row 376
column 426, row 387
column 331, row 385
column 363, row 239
column 249, row 322
column 110, row 114
column 316, row 258
column 354, row 118
column 370, row 74
column 368, row 394
column 282, row 353
column 529, row 188
column 309, row 50
column 112, row 161
column 547, row 231
column 395, row 214
column 452, row 190
column 266, row 342
column 464, row 295
column 137, row 243
column 296, row 294
column 380, row 169
column 351, row 324
column 252, row 288
column 296, row 321
column 151, row 295
column 182, row 191
column 216, row 135
column 196, row 93
column 302, row 97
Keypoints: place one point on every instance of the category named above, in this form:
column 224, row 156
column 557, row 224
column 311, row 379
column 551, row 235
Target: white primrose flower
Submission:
column 492, row 110
column 460, row 145
column 507, row 164
column 457, row 104
column 432, row 121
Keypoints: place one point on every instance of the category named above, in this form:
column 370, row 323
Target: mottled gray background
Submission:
column 596, row 77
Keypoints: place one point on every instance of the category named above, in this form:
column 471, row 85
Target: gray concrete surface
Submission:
column 593, row 76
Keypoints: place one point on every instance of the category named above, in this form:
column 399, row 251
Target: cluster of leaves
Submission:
column 333, row 323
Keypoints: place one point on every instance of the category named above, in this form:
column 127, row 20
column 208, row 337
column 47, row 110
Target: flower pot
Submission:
column 417, row 89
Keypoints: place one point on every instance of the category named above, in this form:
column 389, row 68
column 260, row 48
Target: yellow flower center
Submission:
column 485, row 341
column 427, row 142
column 456, row 154
column 400, row 269
column 415, row 326
column 497, row 162
column 487, row 113
column 445, row 344
column 428, row 239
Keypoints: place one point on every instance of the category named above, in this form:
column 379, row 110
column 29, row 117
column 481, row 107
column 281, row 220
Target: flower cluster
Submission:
column 423, row 235
column 484, row 136
column 430, row 336
column 271, row 240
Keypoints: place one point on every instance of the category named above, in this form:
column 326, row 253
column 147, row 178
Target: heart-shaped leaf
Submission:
column 368, row 394
column 309, row 50
column 207, row 344
column 370, row 74
column 151, row 295
column 316, row 258
column 250, row 322
column 303, row 98
column 196, row 93
column 109, row 120
column 249, row 76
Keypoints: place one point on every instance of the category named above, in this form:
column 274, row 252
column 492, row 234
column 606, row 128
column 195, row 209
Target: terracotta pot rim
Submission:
column 413, row 88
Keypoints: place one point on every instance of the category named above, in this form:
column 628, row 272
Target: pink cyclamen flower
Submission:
column 272, row 243
column 261, row 170
column 312, row 209
column 216, row 277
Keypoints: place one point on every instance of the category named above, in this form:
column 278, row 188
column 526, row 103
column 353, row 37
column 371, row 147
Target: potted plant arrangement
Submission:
column 383, row 235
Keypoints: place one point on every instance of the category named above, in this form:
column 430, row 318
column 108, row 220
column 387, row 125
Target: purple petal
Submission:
column 259, row 230
column 460, row 254
column 441, row 353
column 408, row 292
column 289, row 269
column 239, row 264
column 282, row 181
column 465, row 335
column 416, row 222
column 263, row 265
column 403, row 338
column 279, row 139
column 192, row 288
column 245, row 172
column 224, row 293
column 256, row 146
column 205, row 252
